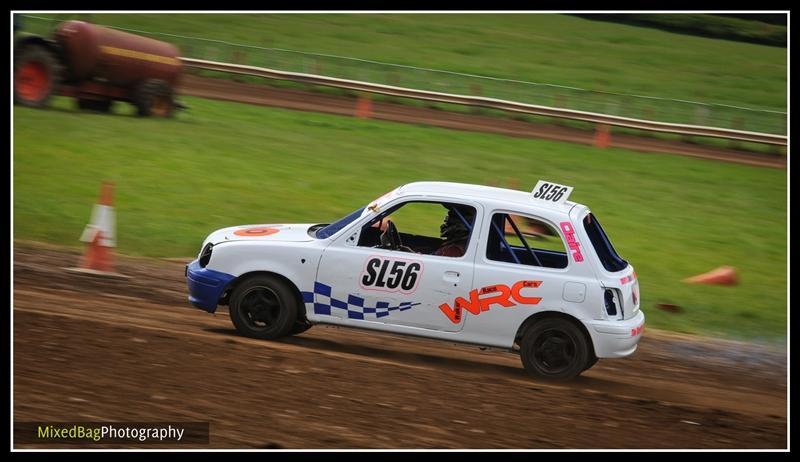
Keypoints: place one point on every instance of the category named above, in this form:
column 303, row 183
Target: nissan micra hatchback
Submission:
column 531, row 273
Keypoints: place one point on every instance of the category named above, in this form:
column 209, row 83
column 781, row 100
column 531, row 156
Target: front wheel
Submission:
column 263, row 307
column 591, row 362
column 300, row 327
column 555, row 349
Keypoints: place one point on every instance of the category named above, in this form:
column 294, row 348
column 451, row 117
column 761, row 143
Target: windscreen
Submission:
column 333, row 228
column 602, row 245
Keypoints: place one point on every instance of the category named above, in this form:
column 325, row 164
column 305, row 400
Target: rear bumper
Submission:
column 206, row 286
column 616, row 339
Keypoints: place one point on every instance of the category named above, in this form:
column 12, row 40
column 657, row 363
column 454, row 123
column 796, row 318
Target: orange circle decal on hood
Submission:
column 256, row 231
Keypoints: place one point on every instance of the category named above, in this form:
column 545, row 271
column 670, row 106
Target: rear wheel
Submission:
column 154, row 97
column 37, row 73
column 555, row 349
column 263, row 307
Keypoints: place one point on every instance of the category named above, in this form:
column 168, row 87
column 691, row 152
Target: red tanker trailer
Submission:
column 97, row 65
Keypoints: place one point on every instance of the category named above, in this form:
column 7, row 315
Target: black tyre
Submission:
column 96, row 105
column 154, row 97
column 301, row 324
column 37, row 74
column 263, row 307
column 591, row 362
column 555, row 349
column 300, row 327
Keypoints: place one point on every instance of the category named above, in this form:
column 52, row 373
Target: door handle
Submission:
column 452, row 276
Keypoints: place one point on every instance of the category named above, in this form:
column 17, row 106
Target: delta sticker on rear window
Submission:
column 551, row 192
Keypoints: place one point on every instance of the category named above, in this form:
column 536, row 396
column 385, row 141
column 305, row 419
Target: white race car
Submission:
column 528, row 272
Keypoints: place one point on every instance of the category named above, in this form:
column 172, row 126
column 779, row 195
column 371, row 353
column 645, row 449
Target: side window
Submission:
column 526, row 241
column 433, row 228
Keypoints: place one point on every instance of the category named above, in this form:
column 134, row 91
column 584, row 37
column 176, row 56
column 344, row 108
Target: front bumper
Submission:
column 616, row 339
column 206, row 286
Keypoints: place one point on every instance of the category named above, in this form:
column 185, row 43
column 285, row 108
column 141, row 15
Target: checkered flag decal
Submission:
column 354, row 305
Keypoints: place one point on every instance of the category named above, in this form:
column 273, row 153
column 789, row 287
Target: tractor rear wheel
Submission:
column 37, row 73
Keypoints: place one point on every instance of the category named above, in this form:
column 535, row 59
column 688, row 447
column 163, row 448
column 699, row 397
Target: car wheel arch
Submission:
column 243, row 277
column 536, row 317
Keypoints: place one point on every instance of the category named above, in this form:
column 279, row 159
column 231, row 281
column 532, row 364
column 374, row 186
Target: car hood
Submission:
column 272, row 232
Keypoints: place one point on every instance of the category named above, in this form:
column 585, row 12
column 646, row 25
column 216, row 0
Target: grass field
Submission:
column 222, row 164
column 549, row 48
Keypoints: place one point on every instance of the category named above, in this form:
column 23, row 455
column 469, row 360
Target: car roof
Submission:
column 521, row 199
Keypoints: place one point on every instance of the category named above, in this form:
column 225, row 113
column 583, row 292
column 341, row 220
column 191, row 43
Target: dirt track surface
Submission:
column 229, row 90
column 87, row 349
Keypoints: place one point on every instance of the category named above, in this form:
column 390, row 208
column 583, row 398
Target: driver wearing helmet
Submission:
column 455, row 232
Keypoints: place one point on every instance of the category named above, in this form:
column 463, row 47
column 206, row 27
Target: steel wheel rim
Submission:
column 554, row 351
column 32, row 81
column 260, row 308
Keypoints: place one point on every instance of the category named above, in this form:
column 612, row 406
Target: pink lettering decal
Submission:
column 572, row 242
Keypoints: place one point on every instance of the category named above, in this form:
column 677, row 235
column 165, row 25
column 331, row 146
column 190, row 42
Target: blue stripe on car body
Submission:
column 322, row 301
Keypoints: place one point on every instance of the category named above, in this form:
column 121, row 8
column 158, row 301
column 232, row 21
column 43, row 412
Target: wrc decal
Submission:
column 480, row 300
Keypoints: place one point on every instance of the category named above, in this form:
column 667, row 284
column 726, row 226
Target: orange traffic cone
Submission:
column 99, row 234
column 602, row 137
column 724, row 275
column 98, row 256
column 363, row 107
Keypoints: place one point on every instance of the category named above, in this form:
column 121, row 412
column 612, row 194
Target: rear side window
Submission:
column 602, row 245
column 525, row 241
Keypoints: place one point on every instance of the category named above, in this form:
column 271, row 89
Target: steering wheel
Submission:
column 390, row 239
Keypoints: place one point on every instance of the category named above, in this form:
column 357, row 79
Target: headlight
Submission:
column 205, row 255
